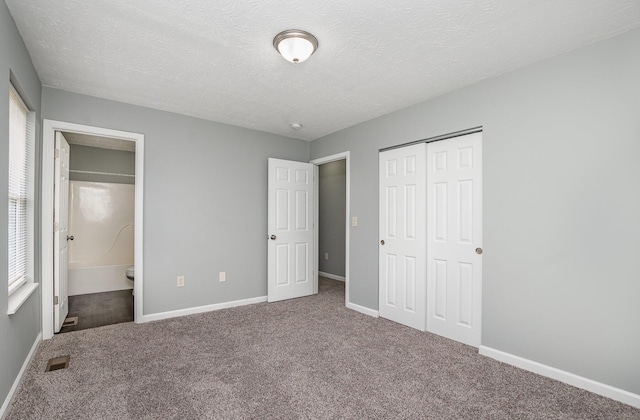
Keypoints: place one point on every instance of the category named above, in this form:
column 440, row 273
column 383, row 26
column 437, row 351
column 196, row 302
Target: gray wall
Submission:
column 205, row 198
column 17, row 332
column 332, row 197
column 561, row 279
column 95, row 159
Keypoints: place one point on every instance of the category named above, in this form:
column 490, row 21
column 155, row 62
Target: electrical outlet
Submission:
column 222, row 276
column 354, row 221
column 180, row 281
column 326, row 255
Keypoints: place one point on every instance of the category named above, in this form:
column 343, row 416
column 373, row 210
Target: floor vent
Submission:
column 71, row 321
column 61, row 362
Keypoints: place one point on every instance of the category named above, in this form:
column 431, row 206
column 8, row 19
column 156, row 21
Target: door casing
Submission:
column 49, row 127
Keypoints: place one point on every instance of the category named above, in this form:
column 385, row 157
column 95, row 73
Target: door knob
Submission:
column 70, row 238
column 382, row 242
column 272, row 237
column 479, row 251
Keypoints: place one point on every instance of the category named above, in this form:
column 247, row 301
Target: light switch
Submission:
column 354, row 221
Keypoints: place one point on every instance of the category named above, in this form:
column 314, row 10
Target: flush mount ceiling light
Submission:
column 295, row 45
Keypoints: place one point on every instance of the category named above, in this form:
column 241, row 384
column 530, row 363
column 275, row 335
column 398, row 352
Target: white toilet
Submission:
column 130, row 272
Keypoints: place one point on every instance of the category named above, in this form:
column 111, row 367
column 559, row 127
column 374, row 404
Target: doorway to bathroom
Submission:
column 99, row 230
column 92, row 186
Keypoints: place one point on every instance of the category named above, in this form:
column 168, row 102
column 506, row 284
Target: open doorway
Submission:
column 99, row 268
column 332, row 218
column 331, row 221
column 99, row 237
column 293, row 228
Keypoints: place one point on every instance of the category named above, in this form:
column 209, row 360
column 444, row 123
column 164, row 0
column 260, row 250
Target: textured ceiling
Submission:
column 215, row 60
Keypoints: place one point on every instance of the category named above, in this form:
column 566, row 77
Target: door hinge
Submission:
column 55, row 300
column 57, row 153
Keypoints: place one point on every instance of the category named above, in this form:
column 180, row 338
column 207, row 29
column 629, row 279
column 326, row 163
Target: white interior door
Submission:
column 61, row 231
column 402, row 248
column 454, row 226
column 290, row 228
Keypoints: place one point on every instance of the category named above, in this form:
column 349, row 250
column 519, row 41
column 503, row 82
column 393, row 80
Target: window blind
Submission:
column 20, row 170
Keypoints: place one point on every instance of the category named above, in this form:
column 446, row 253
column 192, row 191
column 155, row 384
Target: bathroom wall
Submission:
column 101, row 220
column 332, row 217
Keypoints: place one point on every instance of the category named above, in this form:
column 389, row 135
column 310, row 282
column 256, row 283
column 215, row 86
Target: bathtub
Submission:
column 84, row 280
column 101, row 217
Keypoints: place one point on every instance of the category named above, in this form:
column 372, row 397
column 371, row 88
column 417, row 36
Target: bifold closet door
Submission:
column 454, row 232
column 402, row 227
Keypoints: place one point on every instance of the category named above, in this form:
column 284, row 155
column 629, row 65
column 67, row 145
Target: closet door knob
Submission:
column 272, row 237
column 70, row 238
column 382, row 242
column 479, row 251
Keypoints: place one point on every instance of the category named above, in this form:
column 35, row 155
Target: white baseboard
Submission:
column 331, row 276
column 363, row 310
column 563, row 376
column 200, row 309
column 16, row 383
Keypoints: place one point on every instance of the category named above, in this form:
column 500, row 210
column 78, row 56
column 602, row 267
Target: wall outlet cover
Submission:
column 222, row 276
column 180, row 281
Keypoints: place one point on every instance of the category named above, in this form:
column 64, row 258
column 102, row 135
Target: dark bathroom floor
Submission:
column 100, row 309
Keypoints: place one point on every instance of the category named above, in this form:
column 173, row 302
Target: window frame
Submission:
column 22, row 251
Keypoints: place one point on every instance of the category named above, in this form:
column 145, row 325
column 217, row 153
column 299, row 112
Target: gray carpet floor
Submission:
column 302, row 358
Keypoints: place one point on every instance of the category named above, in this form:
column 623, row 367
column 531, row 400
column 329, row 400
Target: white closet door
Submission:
column 454, row 230
column 402, row 253
column 290, row 252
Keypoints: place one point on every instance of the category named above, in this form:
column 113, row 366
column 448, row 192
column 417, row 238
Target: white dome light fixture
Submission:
column 295, row 45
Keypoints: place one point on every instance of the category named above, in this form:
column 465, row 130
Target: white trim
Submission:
column 328, row 159
column 16, row 383
column 331, row 276
column 316, row 226
column 200, row 309
column 363, row 310
column 563, row 376
column 20, row 296
column 49, row 127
